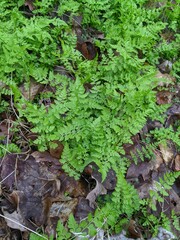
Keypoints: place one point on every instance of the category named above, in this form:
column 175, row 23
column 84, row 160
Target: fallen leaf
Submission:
column 131, row 147
column 30, row 5
column 165, row 67
column 142, row 169
column 36, row 186
column 87, row 49
column 82, row 209
column 164, row 97
column 110, row 181
column 167, row 153
column 71, row 187
column 4, row 129
column 133, row 230
column 63, row 209
column 158, row 160
column 167, row 79
column 98, row 190
column 143, row 190
column 33, row 89
column 14, row 220
column 174, row 110
column 63, row 71
column 177, row 163
column 57, row 151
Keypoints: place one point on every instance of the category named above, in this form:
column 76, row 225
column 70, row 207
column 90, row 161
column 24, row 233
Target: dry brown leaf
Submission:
column 3, row 129
column 12, row 220
column 170, row 79
column 167, row 153
column 109, row 183
column 143, row 190
column 158, row 160
column 33, row 89
column 36, row 187
column 134, row 230
column 30, row 5
column 165, row 67
column 82, row 209
column 71, row 187
column 164, row 97
column 142, row 169
column 177, row 163
column 56, row 152
column 87, row 49
column 98, row 190
column 63, row 209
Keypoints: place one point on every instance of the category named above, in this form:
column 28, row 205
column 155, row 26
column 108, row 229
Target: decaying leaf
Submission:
column 167, row 153
column 71, row 187
column 87, row 49
column 158, row 160
column 4, row 129
column 133, row 230
column 30, row 5
column 82, row 209
column 165, row 67
column 14, row 220
column 98, row 190
column 169, row 79
column 177, row 163
column 142, row 169
column 110, row 181
column 32, row 90
column 143, row 190
column 57, row 151
column 164, row 97
column 35, row 186
column 63, row 209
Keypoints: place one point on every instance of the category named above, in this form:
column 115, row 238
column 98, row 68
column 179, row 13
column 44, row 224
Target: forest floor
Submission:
column 39, row 187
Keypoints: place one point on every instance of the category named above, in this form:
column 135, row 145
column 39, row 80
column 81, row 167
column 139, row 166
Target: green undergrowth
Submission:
column 93, row 124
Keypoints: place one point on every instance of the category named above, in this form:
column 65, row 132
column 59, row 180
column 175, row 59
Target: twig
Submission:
column 7, row 176
column 23, row 226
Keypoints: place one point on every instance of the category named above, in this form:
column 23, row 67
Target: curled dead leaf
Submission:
column 30, row 5
column 98, row 190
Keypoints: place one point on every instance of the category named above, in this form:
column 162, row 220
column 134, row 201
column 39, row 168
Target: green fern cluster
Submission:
column 157, row 195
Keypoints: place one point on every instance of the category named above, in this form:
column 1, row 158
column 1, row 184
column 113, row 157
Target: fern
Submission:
column 160, row 188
